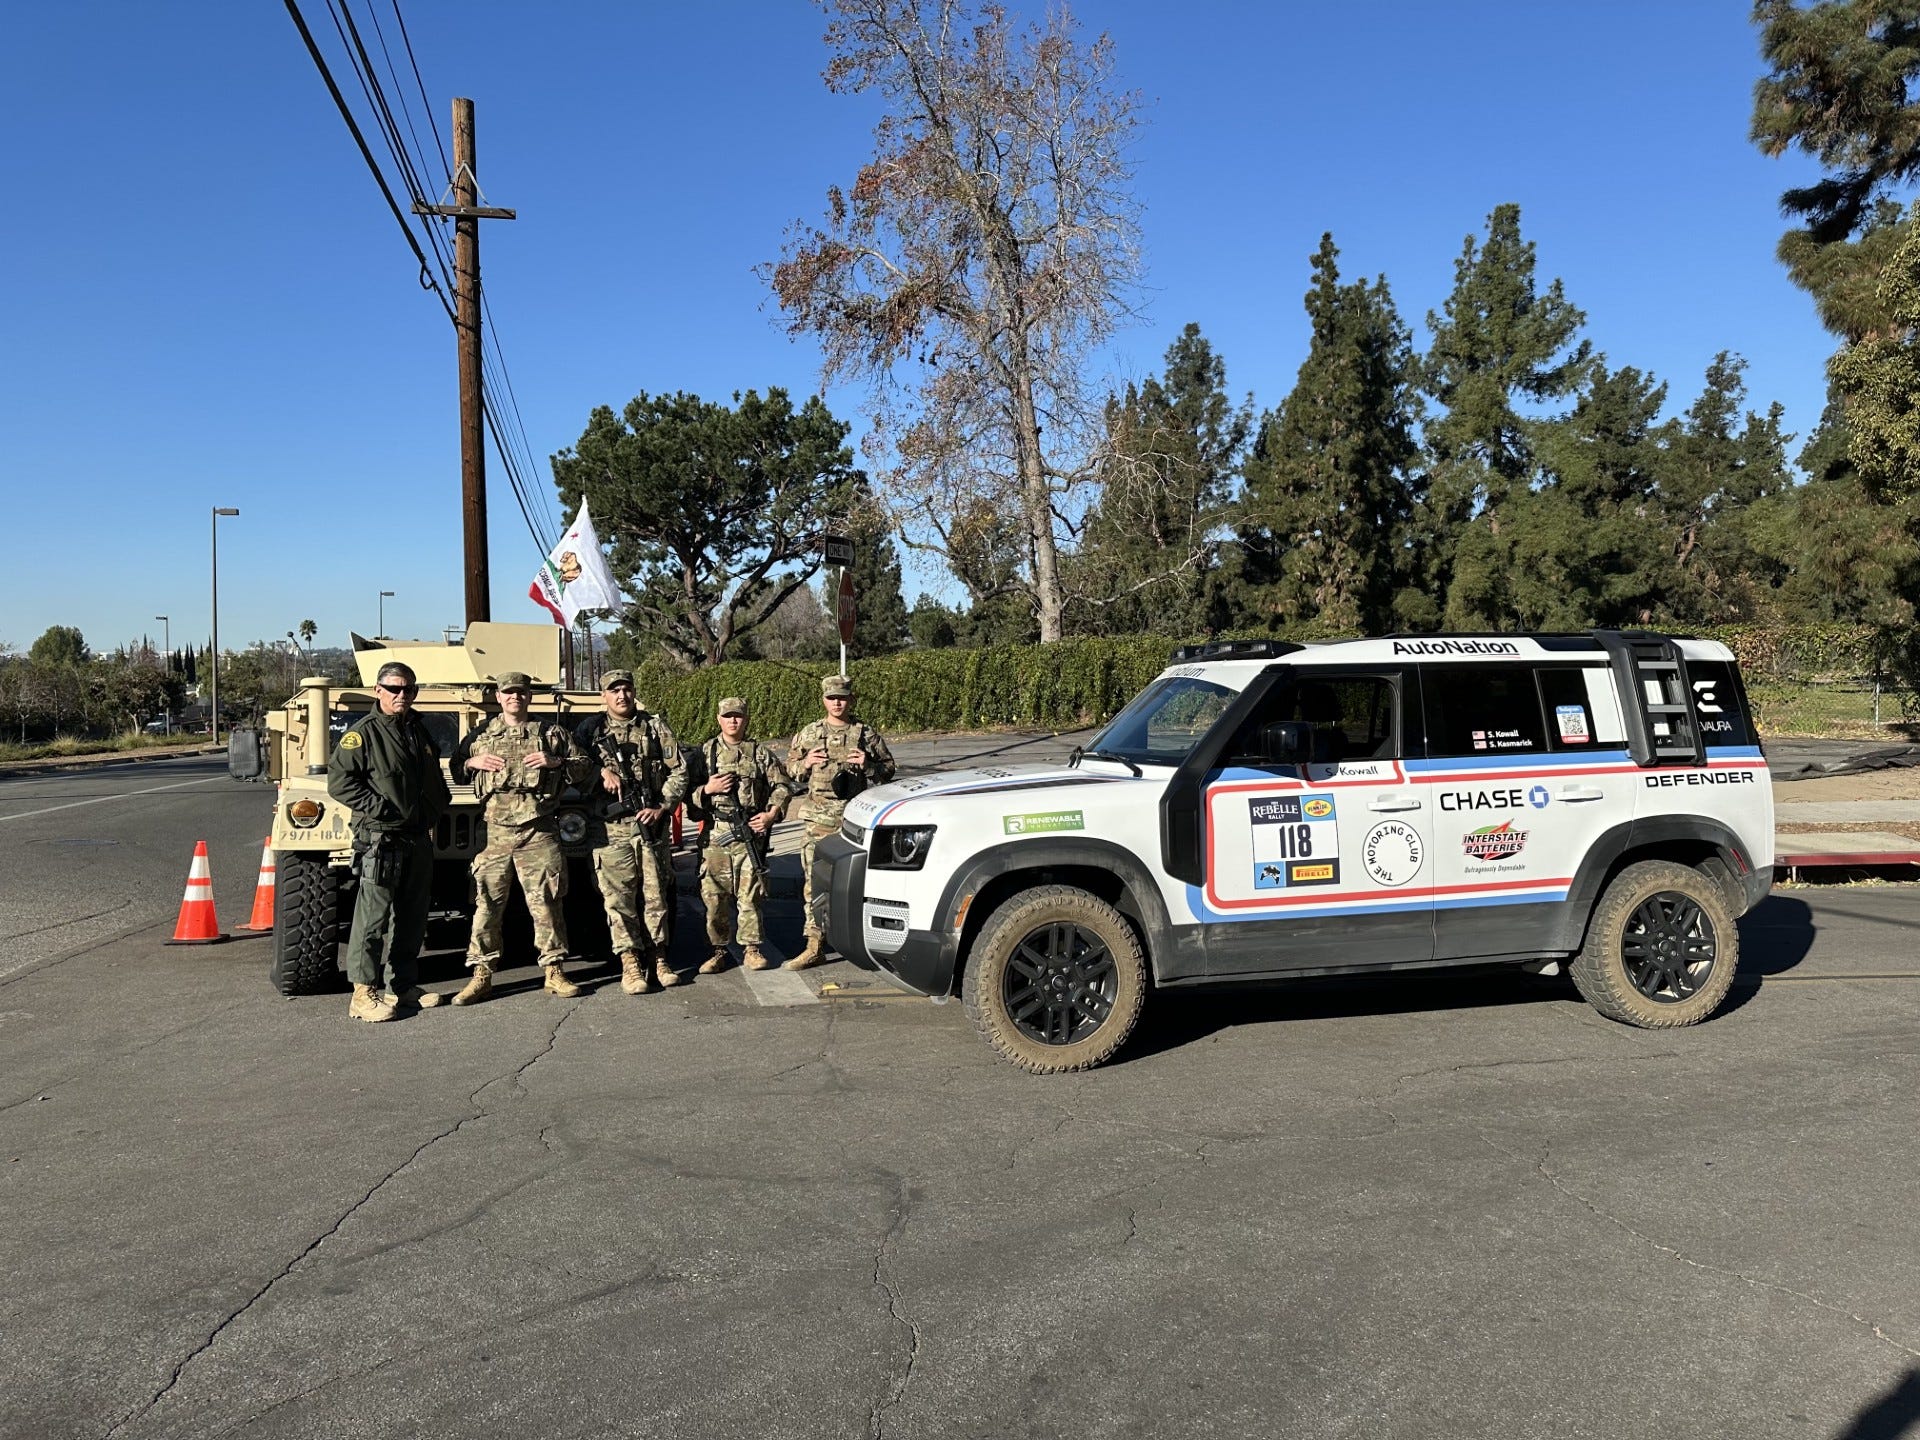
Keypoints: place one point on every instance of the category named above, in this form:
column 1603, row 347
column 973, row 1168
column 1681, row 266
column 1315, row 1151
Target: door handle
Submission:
column 1575, row 793
column 1394, row 802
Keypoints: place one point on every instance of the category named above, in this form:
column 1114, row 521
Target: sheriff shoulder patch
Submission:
column 350, row 740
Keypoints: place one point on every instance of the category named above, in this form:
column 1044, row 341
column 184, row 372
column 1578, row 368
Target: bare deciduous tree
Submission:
column 984, row 253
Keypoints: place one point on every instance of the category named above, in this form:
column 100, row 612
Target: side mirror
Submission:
column 246, row 753
column 1286, row 742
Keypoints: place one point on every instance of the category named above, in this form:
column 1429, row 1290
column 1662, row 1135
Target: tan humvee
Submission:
column 312, row 840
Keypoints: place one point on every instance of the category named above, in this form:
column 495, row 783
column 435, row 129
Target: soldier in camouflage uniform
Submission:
column 518, row 767
column 746, row 790
column 643, row 777
column 831, row 761
column 386, row 770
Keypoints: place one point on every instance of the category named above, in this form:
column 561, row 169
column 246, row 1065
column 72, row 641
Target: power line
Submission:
column 426, row 280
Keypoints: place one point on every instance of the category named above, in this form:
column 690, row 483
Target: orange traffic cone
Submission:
column 198, row 925
column 261, row 921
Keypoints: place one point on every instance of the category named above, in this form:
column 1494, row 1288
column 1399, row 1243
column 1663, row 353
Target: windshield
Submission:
column 1164, row 721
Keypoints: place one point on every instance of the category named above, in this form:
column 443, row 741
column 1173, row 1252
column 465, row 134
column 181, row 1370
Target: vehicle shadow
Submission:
column 1776, row 936
column 1181, row 1017
column 1893, row 1415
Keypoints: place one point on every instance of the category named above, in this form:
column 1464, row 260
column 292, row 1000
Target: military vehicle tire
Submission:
column 1056, row 980
column 1661, row 947
column 306, row 924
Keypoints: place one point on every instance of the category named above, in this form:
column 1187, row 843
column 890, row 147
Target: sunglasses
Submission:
column 516, row 690
column 398, row 689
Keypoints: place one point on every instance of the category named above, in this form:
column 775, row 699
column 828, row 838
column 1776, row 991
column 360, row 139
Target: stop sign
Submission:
column 845, row 607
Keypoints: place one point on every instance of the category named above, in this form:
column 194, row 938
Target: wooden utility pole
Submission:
column 467, row 214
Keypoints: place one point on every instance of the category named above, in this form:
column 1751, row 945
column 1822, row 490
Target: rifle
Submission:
column 740, row 834
column 635, row 795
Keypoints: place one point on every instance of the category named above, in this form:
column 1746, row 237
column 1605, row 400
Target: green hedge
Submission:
column 1064, row 686
column 1085, row 681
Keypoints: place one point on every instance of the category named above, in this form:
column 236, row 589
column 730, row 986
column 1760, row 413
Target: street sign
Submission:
column 839, row 550
column 845, row 607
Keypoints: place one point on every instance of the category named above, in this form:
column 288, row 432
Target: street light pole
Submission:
column 214, row 658
column 385, row 595
column 168, row 642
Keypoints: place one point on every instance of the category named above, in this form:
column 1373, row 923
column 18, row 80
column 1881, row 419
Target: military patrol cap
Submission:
column 616, row 677
column 515, row 680
column 836, row 687
column 733, row 705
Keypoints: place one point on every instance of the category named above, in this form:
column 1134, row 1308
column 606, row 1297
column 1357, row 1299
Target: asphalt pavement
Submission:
column 1460, row 1205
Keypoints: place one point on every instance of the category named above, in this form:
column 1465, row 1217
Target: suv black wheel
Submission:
column 306, row 924
column 1661, row 947
column 1056, row 980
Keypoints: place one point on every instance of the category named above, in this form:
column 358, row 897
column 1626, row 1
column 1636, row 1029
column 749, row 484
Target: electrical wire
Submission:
column 339, row 100
column 361, row 61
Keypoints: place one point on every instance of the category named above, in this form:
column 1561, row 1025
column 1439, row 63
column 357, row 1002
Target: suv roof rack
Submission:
column 1235, row 650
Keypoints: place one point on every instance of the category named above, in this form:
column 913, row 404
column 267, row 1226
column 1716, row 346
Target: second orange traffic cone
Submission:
column 261, row 921
column 197, row 925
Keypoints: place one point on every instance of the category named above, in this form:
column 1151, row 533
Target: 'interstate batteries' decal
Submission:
column 1044, row 824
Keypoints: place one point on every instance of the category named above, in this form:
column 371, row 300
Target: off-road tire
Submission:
column 1058, row 940
column 306, row 924
column 1651, row 918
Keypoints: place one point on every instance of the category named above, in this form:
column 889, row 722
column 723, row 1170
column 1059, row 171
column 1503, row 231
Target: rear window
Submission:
column 1719, row 703
column 1482, row 710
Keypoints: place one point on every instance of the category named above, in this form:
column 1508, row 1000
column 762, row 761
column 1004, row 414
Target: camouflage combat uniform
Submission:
column 633, row 863
column 820, row 806
column 730, row 887
column 386, row 770
column 521, row 838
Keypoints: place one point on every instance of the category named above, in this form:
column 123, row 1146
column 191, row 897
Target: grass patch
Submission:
column 1840, row 710
column 65, row 745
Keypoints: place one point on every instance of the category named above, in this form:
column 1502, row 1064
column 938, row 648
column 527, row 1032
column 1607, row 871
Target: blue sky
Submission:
column 206, row 302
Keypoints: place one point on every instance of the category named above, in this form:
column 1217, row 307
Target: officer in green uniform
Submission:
column 386, row 770
column 519, row 766
column 643, row 778
column 831, row 761
column 745, row 792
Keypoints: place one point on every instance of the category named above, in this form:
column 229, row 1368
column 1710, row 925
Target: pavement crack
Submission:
column 1753, row 1282
column 513, row 1078
column 901, row 1210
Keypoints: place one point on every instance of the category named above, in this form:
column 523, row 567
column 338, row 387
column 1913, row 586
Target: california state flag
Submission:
column 576, row 576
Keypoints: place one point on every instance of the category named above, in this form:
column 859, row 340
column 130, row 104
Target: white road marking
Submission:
column 103, row 799
column 779, row 987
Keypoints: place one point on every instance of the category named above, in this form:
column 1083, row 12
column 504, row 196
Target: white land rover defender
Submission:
column 1266, row 810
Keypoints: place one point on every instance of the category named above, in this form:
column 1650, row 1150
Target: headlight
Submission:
column 856, row 833
column 900, row 847
column 572, row 826
column 305, row 814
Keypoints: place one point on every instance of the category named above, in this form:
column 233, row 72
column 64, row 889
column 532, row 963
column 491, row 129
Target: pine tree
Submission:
column 1501, row 350
column 1173, row 449
column 1331, row 485
column 880, row 610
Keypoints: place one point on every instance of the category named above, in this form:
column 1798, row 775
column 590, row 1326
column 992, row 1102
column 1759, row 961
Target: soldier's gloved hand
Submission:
column 485, row 762
column 610, row 779
column 647, row 817
column 759, row 823
column 718, row 785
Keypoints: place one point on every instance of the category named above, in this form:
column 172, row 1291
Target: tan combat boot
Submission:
column 369, row 1004
column 633, row 974
column 815, row 952
column 756, row 959
column 414, row 998
column 478, row 987
column 665, row 973
column 716, row 962
column 558, row 984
